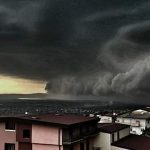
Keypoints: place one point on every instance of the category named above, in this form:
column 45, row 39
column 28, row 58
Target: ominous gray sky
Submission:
column 80, row 47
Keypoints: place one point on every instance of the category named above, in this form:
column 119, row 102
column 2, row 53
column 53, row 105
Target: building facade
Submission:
column 110, row 133
column 105, row 119
column 48, row 132
column 139, row 121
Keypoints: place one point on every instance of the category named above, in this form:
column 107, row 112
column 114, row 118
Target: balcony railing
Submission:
column 73, row 139
column 128, row 122
column 136, row 124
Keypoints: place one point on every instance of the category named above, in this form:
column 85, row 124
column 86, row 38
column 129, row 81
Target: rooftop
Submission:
column 136, row 115
column 109, row 115
column 147, row 109
column 111, row 127
column 134, row 142
column 57, row 119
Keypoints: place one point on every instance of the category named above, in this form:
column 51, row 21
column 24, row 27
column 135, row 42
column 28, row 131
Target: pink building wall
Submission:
column 7, row 136
column 46, row 135
column 45, row 147
column 43, row 138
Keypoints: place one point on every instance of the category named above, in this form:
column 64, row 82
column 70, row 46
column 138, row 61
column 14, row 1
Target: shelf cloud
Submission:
column 79, row 47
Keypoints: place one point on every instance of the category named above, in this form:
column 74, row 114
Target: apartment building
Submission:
column 109, row 133
column 48, row 132
column 139, row 120
column 114, row 136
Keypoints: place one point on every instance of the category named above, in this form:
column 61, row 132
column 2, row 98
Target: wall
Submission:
column 115, row 137
column 117, row 148
column 148, row 123
column 142, row 122
column 127, row 121
column 45, row 147
column 136, row 124
column 132, row 122
column 119, row 120
column 139, row 129
column 46, row 135
column 19, row 131
column 105, row 119
column 7, row 137
column 124, row 132
column 25, row 146
column 103, row 140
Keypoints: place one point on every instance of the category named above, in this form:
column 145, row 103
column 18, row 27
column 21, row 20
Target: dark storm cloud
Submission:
column 81, row 47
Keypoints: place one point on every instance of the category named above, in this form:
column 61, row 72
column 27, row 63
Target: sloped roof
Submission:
column 111, row 127
column 57, row 119
column 134, row 142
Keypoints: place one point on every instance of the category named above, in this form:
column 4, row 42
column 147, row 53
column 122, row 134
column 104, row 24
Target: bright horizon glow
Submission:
column 14, row 85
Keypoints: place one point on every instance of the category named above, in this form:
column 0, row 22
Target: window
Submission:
column 26, row 133
column 10, row 125
column 9, row 146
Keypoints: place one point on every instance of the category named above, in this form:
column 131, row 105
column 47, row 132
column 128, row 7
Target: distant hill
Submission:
column 17, row 96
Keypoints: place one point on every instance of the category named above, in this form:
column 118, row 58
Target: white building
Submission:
column 114, row 136
column 105, row 119
column 110, row 133
column 139, row 120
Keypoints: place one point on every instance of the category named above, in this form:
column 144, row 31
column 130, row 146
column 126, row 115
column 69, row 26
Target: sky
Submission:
column 76, row 47
column 15, row 85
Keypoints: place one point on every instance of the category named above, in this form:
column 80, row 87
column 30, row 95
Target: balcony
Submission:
column 130, row 122
column 135, row 124
column 70, row 137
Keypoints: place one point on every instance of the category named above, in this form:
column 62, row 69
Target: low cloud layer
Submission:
column 79, row 47
column 127, row 59
column 95, row 85
column 135, row 81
